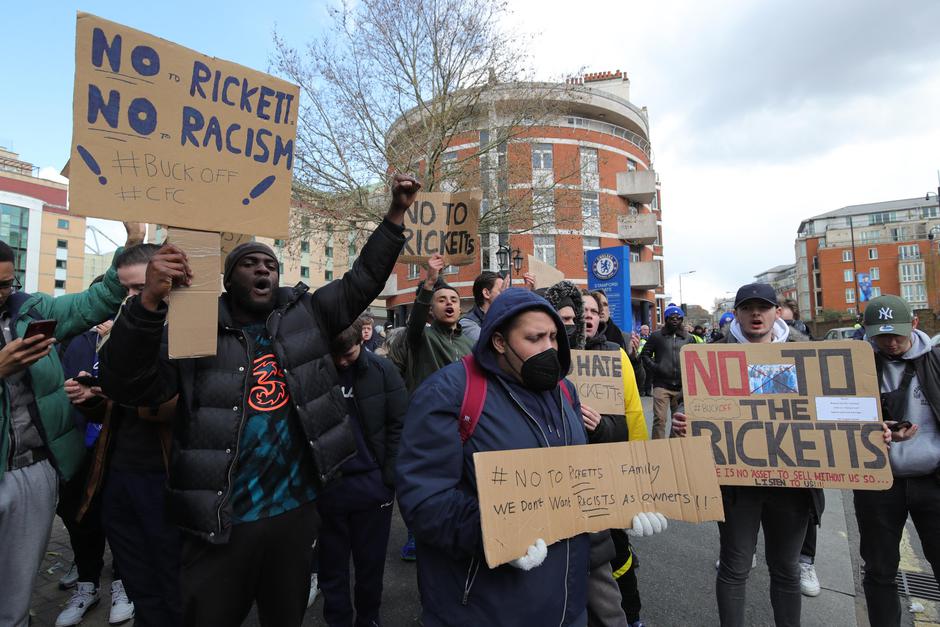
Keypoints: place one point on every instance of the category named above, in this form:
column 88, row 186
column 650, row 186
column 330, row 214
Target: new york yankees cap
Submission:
column 888, row 315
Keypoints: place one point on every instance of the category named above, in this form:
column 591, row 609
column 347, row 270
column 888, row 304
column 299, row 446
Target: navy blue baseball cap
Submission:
column 756, row 291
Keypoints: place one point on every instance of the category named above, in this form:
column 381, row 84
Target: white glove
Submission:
column 647, row 523
column 533, row 557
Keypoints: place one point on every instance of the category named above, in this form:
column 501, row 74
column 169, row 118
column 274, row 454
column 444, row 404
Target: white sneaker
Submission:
column 69, row 579
column 809, row 583
column 313, row 590
column 121, row 607
column 84, row 597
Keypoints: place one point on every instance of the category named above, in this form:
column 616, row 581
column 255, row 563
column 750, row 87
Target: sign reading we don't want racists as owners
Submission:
column 167, row 135
column 803, row 415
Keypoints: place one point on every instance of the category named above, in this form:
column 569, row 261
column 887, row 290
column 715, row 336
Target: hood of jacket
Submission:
column 560, row 292
column 508, row 304
column 781, row 332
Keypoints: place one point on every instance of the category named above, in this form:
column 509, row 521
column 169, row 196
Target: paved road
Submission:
column 677, row 577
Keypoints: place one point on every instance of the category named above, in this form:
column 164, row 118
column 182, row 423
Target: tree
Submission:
column 391, row 87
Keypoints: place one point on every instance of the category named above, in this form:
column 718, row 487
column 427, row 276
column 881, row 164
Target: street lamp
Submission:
column 682, row 274
column 503, row 258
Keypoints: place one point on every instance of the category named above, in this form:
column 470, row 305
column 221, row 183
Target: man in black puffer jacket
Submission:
column 260, row 427
column 356, row 510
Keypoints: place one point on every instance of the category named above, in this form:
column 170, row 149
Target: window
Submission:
column 14, row 230
column 545, row 248
column 850, row 294
column 851, row 310
column 59, row 284
column 882, row 217
column 847, row 276
column 915, row 294
column 912, row 272
column 305, row 222
column 589, row 176
column 328, row 275
column 590, row 243
column 869, row 236
column 909, row 251
column 280, row 268
column 900, row 233
column 450, row 270
column 61, row 263
column 543, row 208
column 61, row 243
column 541, row 156
column 872, row 253
column 279, row 243
column 351, row 246
column 815, row 262
column 846, row 255
column 875, row 273
column 590, row 212
column 304, row 246
column 634, row 257
column 930, row 212
column 304, row 272
column 413, row 271
column 62, row 224
column 631, row 165
column 875, row 292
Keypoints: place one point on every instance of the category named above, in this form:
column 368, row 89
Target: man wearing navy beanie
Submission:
column 661, row 360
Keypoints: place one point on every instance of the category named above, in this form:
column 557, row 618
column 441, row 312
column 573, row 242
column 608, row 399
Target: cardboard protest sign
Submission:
column 599, row 379
column 802, row 415
column 165, row 134
column 229, row 241
column 442, row 223
column 545, row 275
column 558, row 492
column 193, row 317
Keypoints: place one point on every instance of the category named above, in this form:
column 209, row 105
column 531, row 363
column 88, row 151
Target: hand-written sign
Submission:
column 545, row 275
column 598, row 375
column 790, row 414
column 165, row 134
column 442, row 223
column 558, row 492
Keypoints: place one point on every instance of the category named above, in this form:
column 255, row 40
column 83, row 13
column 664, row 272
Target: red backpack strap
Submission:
column 563, row 384
column 474, row 395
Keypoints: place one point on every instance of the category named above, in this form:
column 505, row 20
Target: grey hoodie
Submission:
column 920, row 455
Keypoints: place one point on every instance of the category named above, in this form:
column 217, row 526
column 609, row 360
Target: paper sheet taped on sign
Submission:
column 598, row 376
column 193, row 317
column 162, row 133
column 800, row 414
column 443, row 223
column 558, row 492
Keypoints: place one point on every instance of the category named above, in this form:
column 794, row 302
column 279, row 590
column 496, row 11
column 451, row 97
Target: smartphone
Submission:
column 87, row 380
column 41, row 327
column 903, row 424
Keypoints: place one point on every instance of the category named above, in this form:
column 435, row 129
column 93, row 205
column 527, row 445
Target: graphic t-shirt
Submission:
column 273, row 472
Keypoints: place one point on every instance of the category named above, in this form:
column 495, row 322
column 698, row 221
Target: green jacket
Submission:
column 75, row 313
column 430, row 348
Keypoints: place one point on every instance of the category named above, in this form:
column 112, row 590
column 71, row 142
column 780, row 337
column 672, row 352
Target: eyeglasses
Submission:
column 13, row 284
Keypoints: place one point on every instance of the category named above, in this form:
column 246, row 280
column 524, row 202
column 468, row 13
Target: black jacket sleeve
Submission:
column 396, row 404
column 338, row 303
column 418, row 317
column 133, row 365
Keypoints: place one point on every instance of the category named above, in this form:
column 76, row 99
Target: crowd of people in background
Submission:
column 255, row 476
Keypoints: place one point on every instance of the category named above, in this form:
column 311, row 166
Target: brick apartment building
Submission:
column 590, row 169
column 895, row 242
column 47, row 241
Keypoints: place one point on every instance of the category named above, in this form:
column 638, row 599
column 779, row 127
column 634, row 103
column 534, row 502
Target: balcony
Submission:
column 637, row 186
column 645, row 275
column 638, row 229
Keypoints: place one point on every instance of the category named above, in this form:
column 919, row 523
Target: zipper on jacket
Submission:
column 471, row 577
column 238, row 438
column 529, row 416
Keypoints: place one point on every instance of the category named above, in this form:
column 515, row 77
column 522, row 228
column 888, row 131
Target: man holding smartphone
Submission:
column 39, row 444
column 909, row 373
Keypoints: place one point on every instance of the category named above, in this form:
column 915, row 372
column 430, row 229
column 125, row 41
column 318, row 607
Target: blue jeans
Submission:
column 784, row 514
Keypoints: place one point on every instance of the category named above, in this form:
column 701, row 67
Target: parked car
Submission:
column 840, row 333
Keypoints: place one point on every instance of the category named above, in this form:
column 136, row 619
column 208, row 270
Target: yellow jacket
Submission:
column 636, row 421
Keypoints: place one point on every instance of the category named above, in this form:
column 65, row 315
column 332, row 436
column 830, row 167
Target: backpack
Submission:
column 474, row 396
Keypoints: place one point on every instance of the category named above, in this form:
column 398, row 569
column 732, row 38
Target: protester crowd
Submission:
column 216, row 480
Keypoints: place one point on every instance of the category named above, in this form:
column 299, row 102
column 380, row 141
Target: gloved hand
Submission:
column 647, row 523
column 533, row 557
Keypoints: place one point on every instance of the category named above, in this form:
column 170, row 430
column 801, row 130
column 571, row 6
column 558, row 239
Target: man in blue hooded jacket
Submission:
column 523, row 351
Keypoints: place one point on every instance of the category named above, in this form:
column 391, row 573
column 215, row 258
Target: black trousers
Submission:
column 881, row 516
column 87, row 536
column 265, row 562
column 145, row 546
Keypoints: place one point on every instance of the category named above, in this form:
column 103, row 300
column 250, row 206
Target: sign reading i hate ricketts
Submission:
column 801, row 415
column 165, row 134
column 558, row 492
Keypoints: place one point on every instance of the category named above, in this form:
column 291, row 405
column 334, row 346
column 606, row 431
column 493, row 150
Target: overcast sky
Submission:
column 762, row 113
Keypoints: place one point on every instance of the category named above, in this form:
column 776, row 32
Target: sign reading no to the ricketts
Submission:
column 788, row 414
column 164, row 134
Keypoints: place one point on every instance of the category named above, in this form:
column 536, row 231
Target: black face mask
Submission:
column 540, row 372
column 570, row 330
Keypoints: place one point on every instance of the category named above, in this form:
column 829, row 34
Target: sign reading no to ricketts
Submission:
column 165, row 134
column 802, row 415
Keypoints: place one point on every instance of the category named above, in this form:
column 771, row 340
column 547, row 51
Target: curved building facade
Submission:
column 582, row 178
